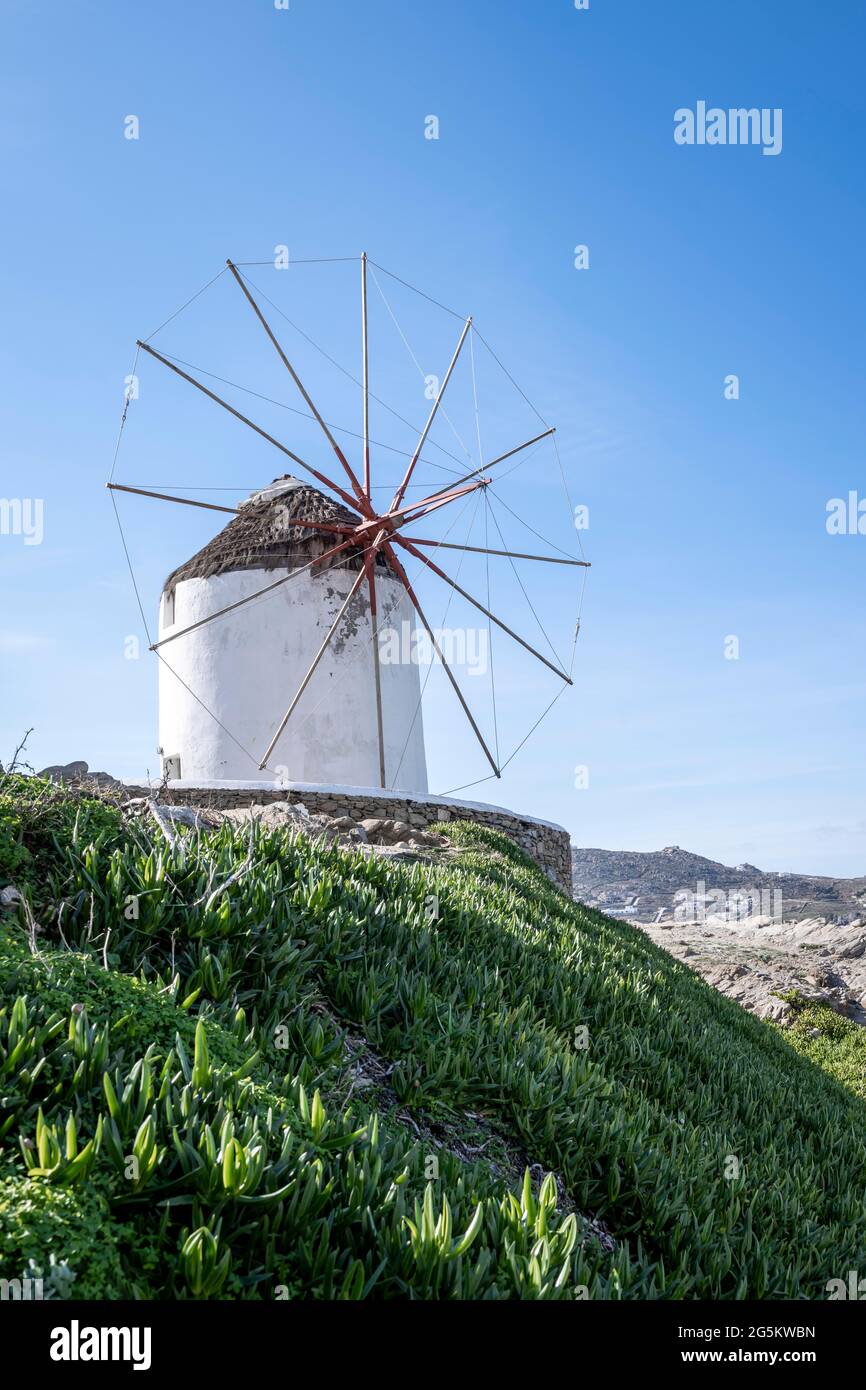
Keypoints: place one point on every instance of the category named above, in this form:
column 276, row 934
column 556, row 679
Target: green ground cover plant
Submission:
column 38, row 821
column 834, row 1043
column 248, row 1065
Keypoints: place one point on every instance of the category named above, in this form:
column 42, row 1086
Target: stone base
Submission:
column 548, row 844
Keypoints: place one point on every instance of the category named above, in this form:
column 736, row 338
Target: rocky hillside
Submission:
column 761, row 938
column 666, row 883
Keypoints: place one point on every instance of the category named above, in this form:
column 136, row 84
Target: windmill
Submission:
column 296, row 588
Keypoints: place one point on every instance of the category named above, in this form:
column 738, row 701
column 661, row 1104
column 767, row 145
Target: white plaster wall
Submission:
column 246, row 667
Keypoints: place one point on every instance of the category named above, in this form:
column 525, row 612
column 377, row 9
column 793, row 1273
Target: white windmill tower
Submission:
column 284, row 609
column 236, row 667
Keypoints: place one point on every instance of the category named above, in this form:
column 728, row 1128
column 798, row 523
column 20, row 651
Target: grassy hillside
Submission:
column 331, row 1076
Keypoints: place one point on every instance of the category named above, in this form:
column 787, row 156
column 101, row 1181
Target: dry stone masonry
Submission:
column 546, row 843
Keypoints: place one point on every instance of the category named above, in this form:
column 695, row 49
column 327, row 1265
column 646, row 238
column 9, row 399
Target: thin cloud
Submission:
column 23, row 641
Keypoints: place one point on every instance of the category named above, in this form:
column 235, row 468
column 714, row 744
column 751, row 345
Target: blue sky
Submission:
column 261, row 127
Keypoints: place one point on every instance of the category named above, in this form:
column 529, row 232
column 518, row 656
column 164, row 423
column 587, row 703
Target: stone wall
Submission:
column 546, row 843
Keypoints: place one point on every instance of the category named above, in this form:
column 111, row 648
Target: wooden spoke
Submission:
column 390, row 521
column 166, row 497
column 510, row 554
column 398, row 495
column 501, row 459
column 316, row 659
column 365, row 379
column 327, row 482
column 341, row 528
column 362, row 499
column 428, row 505
column 370, row 567
column 405, row 541
column 268, row 588
column 402, row 575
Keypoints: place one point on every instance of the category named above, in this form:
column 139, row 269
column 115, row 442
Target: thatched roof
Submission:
column 262, row 536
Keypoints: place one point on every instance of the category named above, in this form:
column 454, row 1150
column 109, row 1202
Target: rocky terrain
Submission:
column 389, row 839
column 751, row 934
column 663, row 884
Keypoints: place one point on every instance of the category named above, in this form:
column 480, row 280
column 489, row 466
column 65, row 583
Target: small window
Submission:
column 168, row 609
column 171, row 768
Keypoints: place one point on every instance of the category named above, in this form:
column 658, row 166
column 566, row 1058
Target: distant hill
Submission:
column 644, row 885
